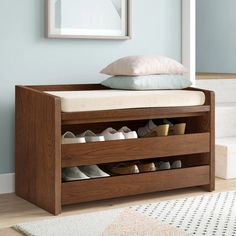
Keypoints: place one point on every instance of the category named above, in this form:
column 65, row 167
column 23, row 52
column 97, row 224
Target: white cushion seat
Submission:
column 98, row 100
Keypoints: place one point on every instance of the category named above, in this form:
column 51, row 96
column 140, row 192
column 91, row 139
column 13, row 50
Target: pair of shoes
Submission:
column 122, row 133
column 82, row 172
column 131, row 168
column 106, row 135
column 175, row 128
column 162, row 165
column 152, row 130
column 87, row 136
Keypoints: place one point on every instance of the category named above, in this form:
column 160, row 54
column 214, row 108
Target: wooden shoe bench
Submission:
column 40, row 156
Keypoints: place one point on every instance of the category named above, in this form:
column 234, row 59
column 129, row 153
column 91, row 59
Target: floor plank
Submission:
column 15, row 210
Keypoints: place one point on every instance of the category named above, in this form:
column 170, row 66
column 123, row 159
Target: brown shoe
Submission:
column 124, row 169
column 146, row 167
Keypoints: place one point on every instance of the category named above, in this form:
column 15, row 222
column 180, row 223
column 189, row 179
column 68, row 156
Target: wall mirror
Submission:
column 92, row 19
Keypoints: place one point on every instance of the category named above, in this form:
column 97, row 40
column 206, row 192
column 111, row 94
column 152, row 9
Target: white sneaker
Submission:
column 73, row 173
column 93, row 171
column 91, row 136
column 112, row 134
column 147, row 129
column 69, row 137
column 128, row 133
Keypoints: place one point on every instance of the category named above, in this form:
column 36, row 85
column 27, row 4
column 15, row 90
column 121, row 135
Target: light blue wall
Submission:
column 216, row 36
column 26, row 57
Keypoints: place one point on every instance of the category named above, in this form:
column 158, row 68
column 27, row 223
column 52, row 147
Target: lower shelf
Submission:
column 118, row 186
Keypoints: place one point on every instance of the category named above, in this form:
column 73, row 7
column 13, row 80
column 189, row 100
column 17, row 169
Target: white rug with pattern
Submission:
column 211, row 215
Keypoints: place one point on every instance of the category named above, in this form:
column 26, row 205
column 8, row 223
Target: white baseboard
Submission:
column 7, row 183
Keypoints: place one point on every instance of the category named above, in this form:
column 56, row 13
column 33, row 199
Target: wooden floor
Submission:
column 15, row 210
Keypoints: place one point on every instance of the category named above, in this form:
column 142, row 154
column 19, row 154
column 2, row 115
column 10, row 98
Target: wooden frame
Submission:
column 49, row 34
column 40, row 154
column 189, row 37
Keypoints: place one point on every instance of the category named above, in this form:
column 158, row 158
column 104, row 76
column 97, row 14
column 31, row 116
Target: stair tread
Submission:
column 226, row 141
column 226, row 105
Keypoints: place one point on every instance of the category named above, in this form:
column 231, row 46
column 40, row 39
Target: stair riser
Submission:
column 225, row 122
column 224, row 89
column 225, row 162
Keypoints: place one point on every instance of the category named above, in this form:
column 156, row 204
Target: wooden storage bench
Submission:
column 40, row 156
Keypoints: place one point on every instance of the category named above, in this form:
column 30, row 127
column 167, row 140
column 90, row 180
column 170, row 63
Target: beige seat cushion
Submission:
column 96, row 100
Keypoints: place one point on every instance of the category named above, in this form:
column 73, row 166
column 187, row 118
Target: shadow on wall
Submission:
column 7, row 118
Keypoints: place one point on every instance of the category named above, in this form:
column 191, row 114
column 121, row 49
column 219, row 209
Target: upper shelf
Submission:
column 132, row 114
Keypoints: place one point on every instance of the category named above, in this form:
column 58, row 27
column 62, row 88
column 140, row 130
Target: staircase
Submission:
column 225, row 91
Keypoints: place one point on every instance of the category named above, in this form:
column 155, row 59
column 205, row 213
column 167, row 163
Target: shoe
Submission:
column 112, row 134
column 175, row 129
column 128, row 133
column 147, row 129
column 152, row 130
column 176, row 164
column 146, row 167
column 162, row 165
column 73, row 173
column 93, row 171
column 124, row 169
column 69, row 137
column 91, row 137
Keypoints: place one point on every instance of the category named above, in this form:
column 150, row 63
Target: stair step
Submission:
column 226, row 157
column 224, row 88
column 226, row 120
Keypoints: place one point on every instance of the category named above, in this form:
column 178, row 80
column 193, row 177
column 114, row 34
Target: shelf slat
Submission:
column 118, row 186
column 132, row 114
column 134, row 149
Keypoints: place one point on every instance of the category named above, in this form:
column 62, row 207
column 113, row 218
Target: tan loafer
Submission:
column 176, row 129
column 125, row 169
column 146, row 167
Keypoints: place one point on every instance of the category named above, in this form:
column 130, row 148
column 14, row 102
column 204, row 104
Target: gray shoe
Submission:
column 93, row 171
column 73, row 173
column 162, row 165
column 176, row 165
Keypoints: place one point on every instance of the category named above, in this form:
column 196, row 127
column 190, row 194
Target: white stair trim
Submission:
column 7, row 183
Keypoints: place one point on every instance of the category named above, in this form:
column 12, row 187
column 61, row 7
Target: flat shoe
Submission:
column 128, row 133
column 147, row 129
column 112, row 134
column 159, row 131
column 73, row 173
column 91, row 136
column 69, row 138
column 176, row 164
column 124, row 169
column 162, row 165
column 146, row 167
column 175, row 129
column 93, row 171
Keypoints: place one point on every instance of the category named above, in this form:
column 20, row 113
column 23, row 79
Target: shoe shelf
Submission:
column 126, row 185
column 133, row 149
column 40, row 154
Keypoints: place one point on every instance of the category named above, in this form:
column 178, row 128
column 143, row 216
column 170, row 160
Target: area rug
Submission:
column 211, row 214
